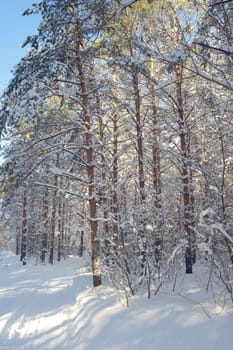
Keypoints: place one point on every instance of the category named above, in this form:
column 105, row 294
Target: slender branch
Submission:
column 226, row 52
column 126, row 4
column 195, row 302
column 220, row 3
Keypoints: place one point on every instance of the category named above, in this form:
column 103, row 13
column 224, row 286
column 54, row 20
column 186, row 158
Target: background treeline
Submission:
column 117, row 139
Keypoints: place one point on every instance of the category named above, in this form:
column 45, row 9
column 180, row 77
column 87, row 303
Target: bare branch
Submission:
column 226, row 52
column 220, row 3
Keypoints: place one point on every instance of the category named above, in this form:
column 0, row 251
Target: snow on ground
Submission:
column 56, row 308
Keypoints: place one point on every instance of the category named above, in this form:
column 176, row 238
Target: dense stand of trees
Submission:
column 117, row 139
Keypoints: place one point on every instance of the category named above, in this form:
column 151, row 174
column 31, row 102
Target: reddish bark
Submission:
column 186, row 174
column 90, row 164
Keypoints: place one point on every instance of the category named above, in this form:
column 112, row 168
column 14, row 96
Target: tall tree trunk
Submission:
column 156, row 159
column 185, row 171
column 141, row 176
column 53, row 217
column 223, row 191
column 90, row 164
column 63, row 220
column 44, row 235
column 137, row 114
column 103, row 186
column 17, row 241
column 156, row 173
column 140, row 156
column 24, row 229
column 33, row 239
column 115, row 206
column 81, row 249
column 60, row 228
column 185, row 156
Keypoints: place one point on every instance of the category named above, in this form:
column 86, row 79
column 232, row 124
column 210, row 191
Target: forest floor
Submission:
column 56, row 308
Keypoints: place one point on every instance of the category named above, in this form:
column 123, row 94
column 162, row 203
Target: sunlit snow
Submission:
column 55, row 307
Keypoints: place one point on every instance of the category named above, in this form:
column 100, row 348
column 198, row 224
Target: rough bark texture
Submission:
column 186, row 176
column 24, row 230
column 17, row 243
column 53, row 217
column 90, row 164
column 185, row 172
column 60, row 229
column 44, row 235
column 115, row 179
column 156, row 173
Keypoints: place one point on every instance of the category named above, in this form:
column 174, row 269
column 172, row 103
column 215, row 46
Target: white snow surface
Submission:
column 56, row 307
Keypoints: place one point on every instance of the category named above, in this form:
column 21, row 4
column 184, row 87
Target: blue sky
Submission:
column 14, row 28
